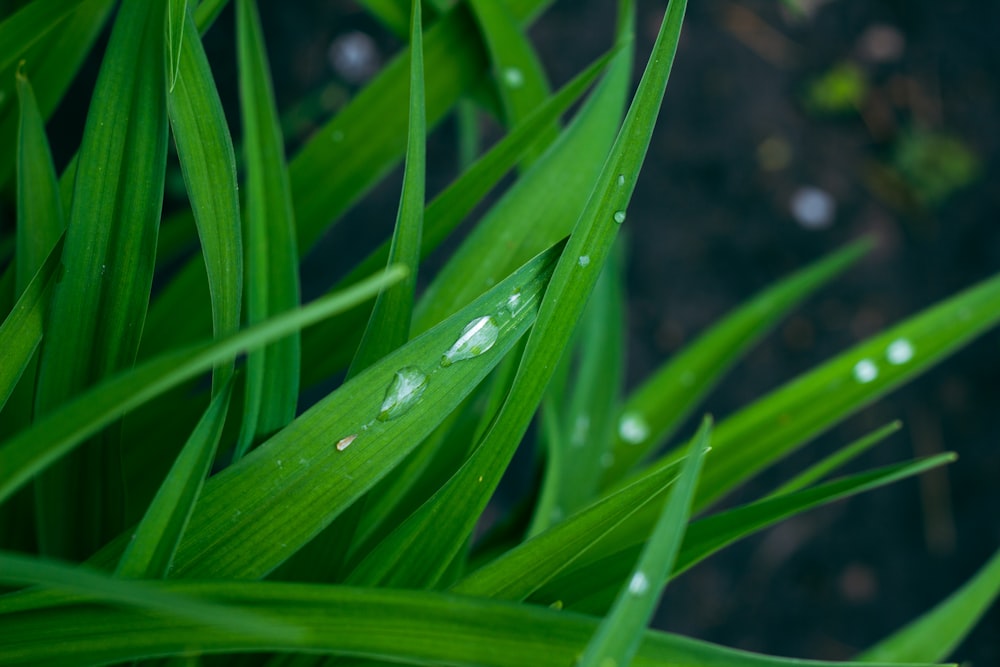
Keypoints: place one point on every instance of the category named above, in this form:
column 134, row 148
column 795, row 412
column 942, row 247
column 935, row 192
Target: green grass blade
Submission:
column 51, row 64
column 98, row 308
column 206, row 12
column 418, row 552
column 154, row 542
column 839, row 458
column 21, row 331
column 29, row 25
column 936, row 634
column 444, row 214
column 58, row 433
column 176, row 16
column 413, row 627
column 765, row 431
column 208, row 164
column 660, row 405
column 89, row 584
column 591, row 584
column 618, row 638
column 272, row 263
column 517, row 71
column 393, row 14
column 389, row 324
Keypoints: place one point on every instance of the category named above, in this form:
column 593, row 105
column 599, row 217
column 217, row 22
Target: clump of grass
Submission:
column 145, row 513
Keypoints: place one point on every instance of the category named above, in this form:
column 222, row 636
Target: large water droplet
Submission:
column 899, row 351
column 406, row 388
column 584, row 260
column 632, row 428
column 513, row 77
column 638, row 584
column 865, row 371
column 478, row 336
column 619, row 217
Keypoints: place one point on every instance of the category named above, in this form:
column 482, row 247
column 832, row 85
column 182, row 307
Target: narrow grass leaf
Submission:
column 30, row 24
column 660, row 405
column 389, row 324
column 92, row 585
column 618, row 638
column 98, row 309
column 418, row 552
column 176, row 16
column 839, row 458
column 206, row 12
column 517, row 72
column 155, row 540
column 272, row 262
column 21, row 331
column 58, row 433
column 590, row 584
column 443, row 216
column 208, row 164
column 414, row 627
column 936, row 634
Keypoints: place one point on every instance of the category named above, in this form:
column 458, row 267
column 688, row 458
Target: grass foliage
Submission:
column 146, row 511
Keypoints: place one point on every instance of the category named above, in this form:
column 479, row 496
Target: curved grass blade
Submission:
column 92, row 585
column 176, row 15
column 21, row 331
column 389, row 324
column 97, row 311
column 937, row 633
column 620, row 633
column 517, row 71
column 30, row 24
column 444, row 214
column 31, row 451
column 206, row 12
column 155, row 540
column 590, row 584
column 208, row 164
column 419, row 551
column 403, row 626
column 272, row 263
column 660, row 405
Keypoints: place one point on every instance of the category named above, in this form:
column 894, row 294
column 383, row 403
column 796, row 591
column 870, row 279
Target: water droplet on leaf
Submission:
column 619, row 217
column 513, row 77
column 632, row 428
column 865, row 371
column 345, row 442
column 478, row 336
column 584, row 260
column 638, row 584
column 406, row 388
column 899, row 351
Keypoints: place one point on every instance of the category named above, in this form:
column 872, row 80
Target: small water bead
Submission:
column 638, row 584
column 477, row 337
column 406, row 388
column 865, row 371
column 619, row 217
column 345, row 442
column 621, row 180
column 899, row 351
column 514, row 301
column 632, row 428
column 584, row 260
column 513, row 77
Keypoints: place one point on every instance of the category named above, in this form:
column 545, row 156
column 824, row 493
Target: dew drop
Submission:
column 514, row 301
column 406, row 388
column 345, row 442
column 632, row 428
column 865, row 371
column 557, row 605
column 621, row 180
column 584, row 260
column 581, row 428
column 619, row 217
column 899, row 351
column 638, row 584
column 478, row 336
column 513, row 77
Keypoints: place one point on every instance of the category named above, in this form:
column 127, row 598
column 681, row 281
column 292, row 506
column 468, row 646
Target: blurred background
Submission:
column 789, row 128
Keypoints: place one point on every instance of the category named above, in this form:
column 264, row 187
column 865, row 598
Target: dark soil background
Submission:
column 759, row 107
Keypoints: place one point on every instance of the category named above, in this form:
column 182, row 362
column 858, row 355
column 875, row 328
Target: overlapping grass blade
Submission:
column 444, row 214
column 51, row 64
column 390, row 321
column 176, row 16
column 403, row 626
column 155, row 540
column 98, row 309
column 89, row 585
column 420, row 550
column 660, row 405
column 255, row 514
column 50, row 438
column 617, row 639
column 519, row 76
column 272, row 262
column 208, row 164
column 937, row 633
column 590, row 584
